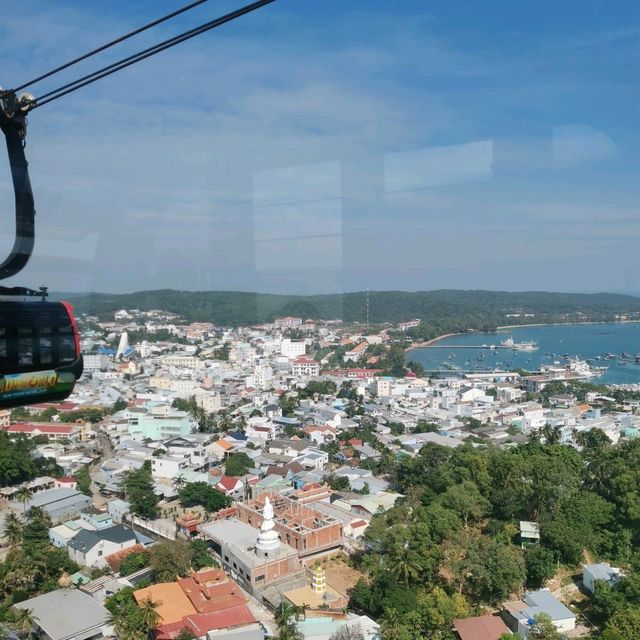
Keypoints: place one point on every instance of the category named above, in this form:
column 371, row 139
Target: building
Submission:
column 529, row 533
column 600, row 571
column 307, row 530
column 95, row 362
column 68, row 614
column 520, row 614
column 254, row 559
column 91, row 548
column 480, row 628
column 288, row 322
column 159, row 427
column 5, row 418
column 61, row 504
column 292, row 349
column 353, row 355
column 306, row 366
column 53, row 432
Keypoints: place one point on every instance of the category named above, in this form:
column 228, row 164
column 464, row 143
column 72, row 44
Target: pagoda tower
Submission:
column 268, row 539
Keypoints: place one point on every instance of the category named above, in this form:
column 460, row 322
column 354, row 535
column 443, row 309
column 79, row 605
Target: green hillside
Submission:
column 446, row 310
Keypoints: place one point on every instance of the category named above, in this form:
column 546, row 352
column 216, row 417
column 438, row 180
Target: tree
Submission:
column 149, row 616
column 544, row 629
column 35, row 533
column 12, row 530
column 540, row 565
column 23, row 496
column 201, row 557
column 186, row 634
column 405, row 565
column 623, row 626
column 170, row 560
column 84, row 480
column 138, row 488
column 204, row 495
column 238, row 464
column 134, row 562
column 23, row 620
column 465, row 499
column 338, row 483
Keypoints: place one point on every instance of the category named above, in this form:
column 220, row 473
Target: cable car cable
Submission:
column 146, row 53
column 108, row 45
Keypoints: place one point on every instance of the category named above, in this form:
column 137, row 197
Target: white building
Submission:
column 292, row 348
column 306, row 366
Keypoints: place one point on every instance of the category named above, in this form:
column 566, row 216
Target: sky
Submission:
column 322, row 146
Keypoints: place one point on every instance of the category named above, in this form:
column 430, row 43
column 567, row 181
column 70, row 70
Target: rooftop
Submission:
column 52, row 613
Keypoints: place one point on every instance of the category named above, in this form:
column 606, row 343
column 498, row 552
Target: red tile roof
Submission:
column 202, row 623
column 24, row 427
column 229, row 483
column 480, row 628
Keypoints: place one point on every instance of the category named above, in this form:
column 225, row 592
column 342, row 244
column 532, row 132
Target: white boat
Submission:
column 519, row 346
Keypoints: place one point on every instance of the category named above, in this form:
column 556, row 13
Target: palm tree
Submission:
column 406, row 566
column 23, row 495
column 391, row 624
column 179, row 483
column 12, row 529
column 23, row 620
column 149, row 616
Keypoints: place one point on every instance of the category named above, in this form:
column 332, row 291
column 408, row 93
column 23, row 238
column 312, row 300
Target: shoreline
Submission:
column 426, row 343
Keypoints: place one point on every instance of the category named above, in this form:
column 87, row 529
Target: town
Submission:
column 219, row 482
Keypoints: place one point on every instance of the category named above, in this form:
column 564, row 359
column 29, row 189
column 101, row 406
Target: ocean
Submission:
column 586, row 341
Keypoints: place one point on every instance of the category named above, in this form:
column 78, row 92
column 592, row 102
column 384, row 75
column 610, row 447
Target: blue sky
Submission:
column 334, row 145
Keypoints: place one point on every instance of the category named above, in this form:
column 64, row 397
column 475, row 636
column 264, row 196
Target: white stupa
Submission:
column 123, row 345
column 268, row 539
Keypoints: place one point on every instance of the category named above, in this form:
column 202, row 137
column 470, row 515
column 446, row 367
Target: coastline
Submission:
column 555, row 324
column 427, row 343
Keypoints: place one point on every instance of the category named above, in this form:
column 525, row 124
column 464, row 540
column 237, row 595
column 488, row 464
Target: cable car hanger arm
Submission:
column 13, row 123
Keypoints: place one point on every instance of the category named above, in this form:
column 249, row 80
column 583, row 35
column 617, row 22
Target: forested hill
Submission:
column 445, row 309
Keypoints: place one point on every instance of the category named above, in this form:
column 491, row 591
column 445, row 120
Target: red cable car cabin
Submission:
column 40, row 358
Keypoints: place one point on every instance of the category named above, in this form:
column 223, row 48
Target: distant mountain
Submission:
column 448, row 310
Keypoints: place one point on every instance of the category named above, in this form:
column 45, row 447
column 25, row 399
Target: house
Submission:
column 91, row 548
column 291, row 448
column 529, row 533
column 520, row 613
column 230, row 486
column 68, row 614
column 319, row 434
column 61, row 504
column 480, row 628
column 600, row 571
column 53, row 432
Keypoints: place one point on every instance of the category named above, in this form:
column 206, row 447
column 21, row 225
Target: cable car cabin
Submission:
column 40, row 358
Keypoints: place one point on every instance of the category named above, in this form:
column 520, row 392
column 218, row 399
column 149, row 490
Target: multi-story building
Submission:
column 159, row 427
column 254, row 559
column 288, row 322
column 306, row 366
column 305, row 529
column 292, row 348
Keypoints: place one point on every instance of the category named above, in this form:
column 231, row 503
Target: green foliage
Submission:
column 138, row 487
column 288, row 404
column 134, row 562
column 204, row 495
column 16, row 464
column 238, row 464
column 201, row 556
column 170, row 560
column 321, row 387
column 84, row 480
column 338, row 483
column 441, row 311
column 540, row 565
column 544, row 629
column 186, row 634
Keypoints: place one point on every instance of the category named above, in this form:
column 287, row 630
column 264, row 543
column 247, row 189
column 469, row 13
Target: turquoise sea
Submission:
column 587, row 341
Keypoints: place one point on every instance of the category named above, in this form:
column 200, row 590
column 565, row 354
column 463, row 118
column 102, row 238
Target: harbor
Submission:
column 609, row 350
